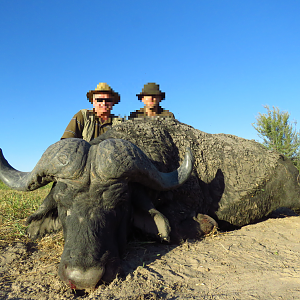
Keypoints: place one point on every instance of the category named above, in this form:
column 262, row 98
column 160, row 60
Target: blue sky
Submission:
column 218, row 61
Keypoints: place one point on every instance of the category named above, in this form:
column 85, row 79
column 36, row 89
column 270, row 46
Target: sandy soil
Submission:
column 259, row 261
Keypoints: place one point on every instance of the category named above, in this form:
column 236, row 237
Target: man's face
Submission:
column 103, row 104
column 151, row 101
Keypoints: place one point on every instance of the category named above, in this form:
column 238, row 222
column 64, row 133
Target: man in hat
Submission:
column 151, row 97
column 89, row 124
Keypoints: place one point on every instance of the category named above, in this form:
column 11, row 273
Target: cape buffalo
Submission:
column 99, row 191
column 125, row 178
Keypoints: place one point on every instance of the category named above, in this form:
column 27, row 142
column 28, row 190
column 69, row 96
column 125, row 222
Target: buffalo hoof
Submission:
column 207, row 224
column 162, row 225
column 195, row 228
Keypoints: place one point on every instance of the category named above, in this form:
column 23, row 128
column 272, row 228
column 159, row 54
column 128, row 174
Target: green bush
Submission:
column 279, row 134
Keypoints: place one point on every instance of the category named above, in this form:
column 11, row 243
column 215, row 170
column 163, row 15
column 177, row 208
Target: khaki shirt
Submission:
column 76, row 126
column 141, row 113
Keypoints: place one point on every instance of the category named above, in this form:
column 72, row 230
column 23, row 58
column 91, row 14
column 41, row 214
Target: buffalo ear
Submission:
column 38, row 228
column 45, row 219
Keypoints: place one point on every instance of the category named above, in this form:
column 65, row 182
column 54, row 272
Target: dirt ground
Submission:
column 258, row 261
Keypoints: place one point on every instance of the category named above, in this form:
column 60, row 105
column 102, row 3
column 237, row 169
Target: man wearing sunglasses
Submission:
column 89, row 124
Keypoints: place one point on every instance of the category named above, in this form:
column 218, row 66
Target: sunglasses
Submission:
column 104, row 99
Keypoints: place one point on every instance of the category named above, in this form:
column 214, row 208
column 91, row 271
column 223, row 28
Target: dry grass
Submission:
column 52, row 247
column 15, row 207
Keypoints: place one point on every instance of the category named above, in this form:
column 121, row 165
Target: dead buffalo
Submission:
column 104, row 187
column 99, row 192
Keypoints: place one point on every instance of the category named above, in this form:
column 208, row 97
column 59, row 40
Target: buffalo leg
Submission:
column 147, row 217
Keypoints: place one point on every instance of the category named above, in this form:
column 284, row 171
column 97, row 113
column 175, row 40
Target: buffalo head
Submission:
column 93, row 199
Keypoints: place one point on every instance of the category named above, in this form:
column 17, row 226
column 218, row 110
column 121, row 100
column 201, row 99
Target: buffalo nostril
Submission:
column 72, row 286
column 80, row 279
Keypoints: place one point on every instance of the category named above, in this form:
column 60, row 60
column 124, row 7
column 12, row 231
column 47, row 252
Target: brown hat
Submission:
column 103, row 88
column 151, row 89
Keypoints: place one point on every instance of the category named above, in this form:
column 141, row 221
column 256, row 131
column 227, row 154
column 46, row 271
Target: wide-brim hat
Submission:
column 103, row 88
column 151, row 89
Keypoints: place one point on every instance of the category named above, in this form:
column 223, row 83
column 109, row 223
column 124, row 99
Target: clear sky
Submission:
column 218, row 61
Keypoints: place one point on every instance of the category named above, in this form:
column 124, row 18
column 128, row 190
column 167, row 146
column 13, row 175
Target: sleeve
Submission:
column 132, row 116
column 168, row 114
column 75, row 127
column 135, row 114
column 172, row 115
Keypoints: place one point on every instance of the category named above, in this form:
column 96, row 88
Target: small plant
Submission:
column 278, row 133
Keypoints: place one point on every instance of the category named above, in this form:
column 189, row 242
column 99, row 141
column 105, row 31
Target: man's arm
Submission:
column 75, row 127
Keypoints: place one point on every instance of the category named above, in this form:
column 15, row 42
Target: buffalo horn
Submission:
column 118, row 158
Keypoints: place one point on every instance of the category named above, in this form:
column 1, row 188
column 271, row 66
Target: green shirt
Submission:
column 141, row 113
column 76, row 126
